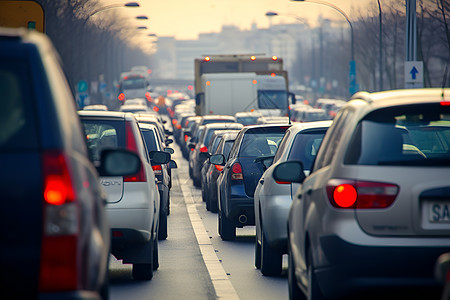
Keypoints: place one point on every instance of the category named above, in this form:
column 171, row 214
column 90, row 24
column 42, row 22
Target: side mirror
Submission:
column 191, row 146
column 159, row 157
column 205, row 155
column 168, row 132
column 217, row 159
column 168, row 141
column 172, row 164
column 118, row 162
column 292, row 98
column 170, row 150
column 289, row 171
column 188, row 132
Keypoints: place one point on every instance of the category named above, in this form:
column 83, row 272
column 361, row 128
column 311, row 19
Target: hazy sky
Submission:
column 185, row 19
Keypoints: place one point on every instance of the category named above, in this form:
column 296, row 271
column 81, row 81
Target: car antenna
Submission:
column 444, row 81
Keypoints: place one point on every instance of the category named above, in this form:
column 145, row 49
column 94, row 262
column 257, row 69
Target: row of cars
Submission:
column 358, row 203
column 76, row 187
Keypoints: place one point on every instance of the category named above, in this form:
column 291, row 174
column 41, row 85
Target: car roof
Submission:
column 228, row 117
column 296, row 127
column 400, row 97
column 223, row 125
column 105, row 114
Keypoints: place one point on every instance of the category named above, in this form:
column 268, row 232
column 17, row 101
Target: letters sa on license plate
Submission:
column 439, row 212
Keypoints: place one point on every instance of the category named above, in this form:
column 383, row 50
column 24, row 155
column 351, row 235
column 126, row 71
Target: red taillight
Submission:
column 156, row 108
column 236, row 172
column 219, row 168
column 178, row 126
column 148, row 96
column 132, row 146
column 157, row 169
column 361, row 194
column 204, row 149
column 282, row 182
column 58, row 187
column 445, row 103
column 121, row 96
column 59, row 258
column 174, row 122
column 186, row 137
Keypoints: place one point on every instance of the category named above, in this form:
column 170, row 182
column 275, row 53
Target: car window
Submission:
column 284, row 142
column 305, row 147
column 103, row 134
column 419, row 136
column 331, row 139
column 150, row 139
column 18, row 128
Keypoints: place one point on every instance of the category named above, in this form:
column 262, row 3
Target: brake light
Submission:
column 59, row 261
column 219, row 168
column 445, row 103
column 361, row 194
column 236, row 172
column 178, row 126
column 282, row 182
column 121, row 96
column 174, row 122
column 204, row 149
column 186, row 137
column 132, row 146
column 157, row 169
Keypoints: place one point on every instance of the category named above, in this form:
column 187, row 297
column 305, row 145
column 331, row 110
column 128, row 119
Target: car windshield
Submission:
column 415, row 135
column 102, row 134
column 272, row 99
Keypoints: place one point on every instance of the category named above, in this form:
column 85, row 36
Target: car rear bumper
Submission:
column 359, row 268
column 240, row 211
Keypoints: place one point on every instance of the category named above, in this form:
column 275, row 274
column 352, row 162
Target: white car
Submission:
column 133, row 201
column 273, row 198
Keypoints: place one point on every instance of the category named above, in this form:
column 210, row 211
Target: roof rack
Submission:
column 362, row 95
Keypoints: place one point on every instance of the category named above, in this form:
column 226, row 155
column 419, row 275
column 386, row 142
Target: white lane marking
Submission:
column 222, row 284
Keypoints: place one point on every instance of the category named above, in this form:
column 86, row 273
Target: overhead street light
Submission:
column 142, row 17
column 142, row 27
column 152, row 34
column 106, row 7
column 352, row 72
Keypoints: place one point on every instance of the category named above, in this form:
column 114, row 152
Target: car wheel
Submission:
column 145, row 271
column 295, row 293
column 257, row 254
column 162, row 230
column 197, row 182
column 168, row 204
column 271, row 259
column 142, row 271
column 155, row 256
column 314, row 292
column 104, row 289
column 213, row 205
column 227, row 230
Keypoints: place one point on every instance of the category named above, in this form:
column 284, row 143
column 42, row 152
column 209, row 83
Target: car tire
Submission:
column 314, row 292
column 162, row 230
column 168, row 204
column 295, row 293
column 155, row 256
column 213, row 205
column 142, row 271
column 257, row 253
column 227, row 230
column 145, row 271
column 271, row 259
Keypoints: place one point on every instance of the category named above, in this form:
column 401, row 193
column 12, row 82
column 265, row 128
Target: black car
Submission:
column 213, row 172
column 151, row 138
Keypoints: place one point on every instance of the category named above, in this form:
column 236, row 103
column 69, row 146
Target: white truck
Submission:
column 229, row 93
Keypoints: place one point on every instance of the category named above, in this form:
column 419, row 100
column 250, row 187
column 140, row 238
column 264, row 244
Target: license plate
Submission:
column 439, row 212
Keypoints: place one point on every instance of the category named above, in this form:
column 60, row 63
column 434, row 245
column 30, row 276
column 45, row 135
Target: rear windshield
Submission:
column 305, row 147
column 405, row 135
column 209, row 121
column 262, row 141
column 103, row 134
column 18, row 130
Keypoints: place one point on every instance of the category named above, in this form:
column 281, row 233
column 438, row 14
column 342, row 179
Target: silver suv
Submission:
column 374, row 211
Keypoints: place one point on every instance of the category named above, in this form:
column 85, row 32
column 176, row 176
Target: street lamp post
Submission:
column 352, row 72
